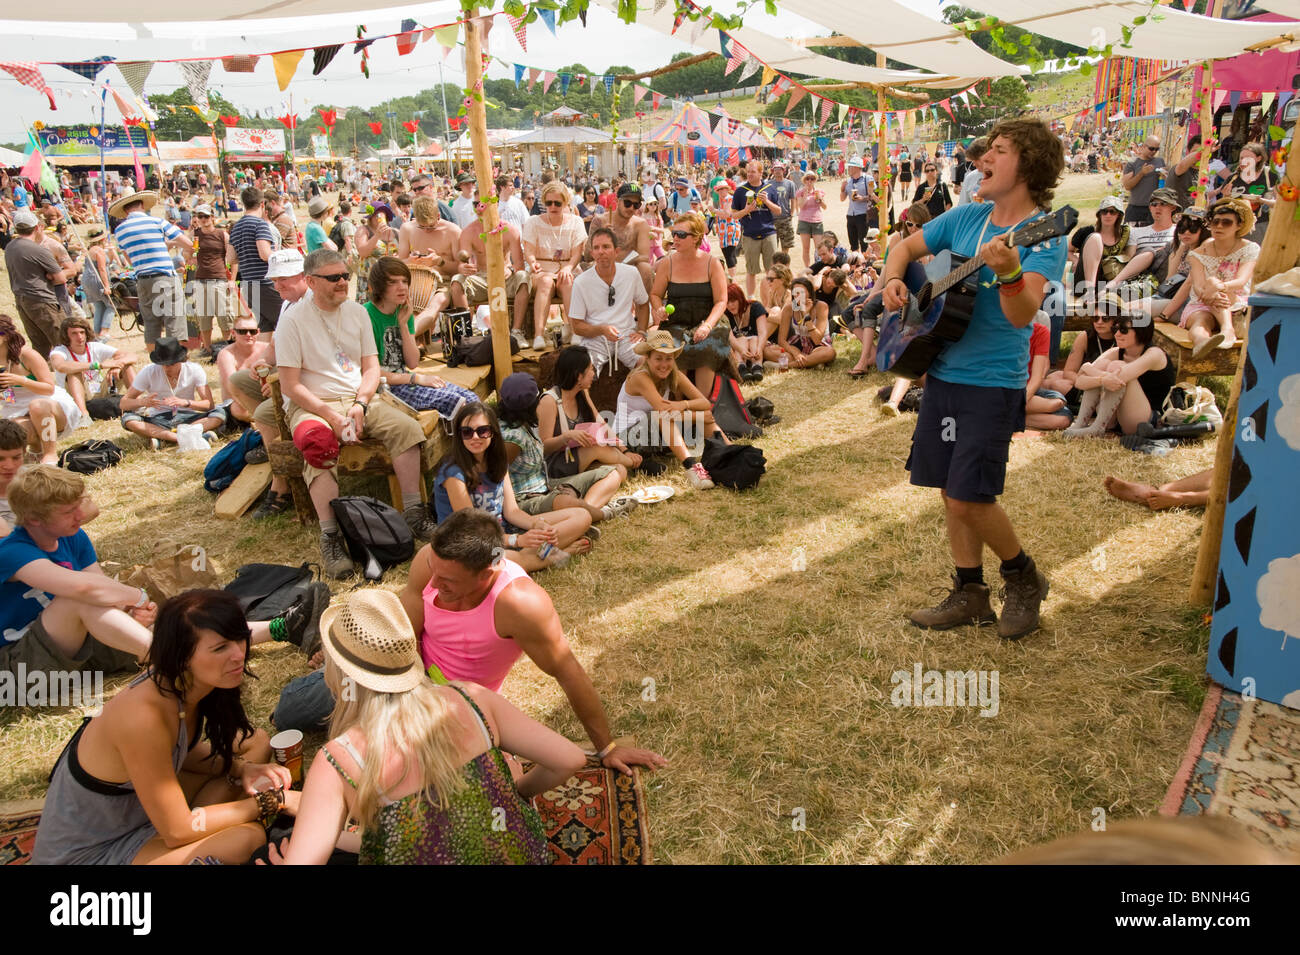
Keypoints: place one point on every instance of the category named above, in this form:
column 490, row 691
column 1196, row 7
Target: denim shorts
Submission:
column 963, row 439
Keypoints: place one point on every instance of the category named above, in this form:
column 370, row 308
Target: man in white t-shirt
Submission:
column 609, row 307
column 510, row 207
column 329, row 372
column 1150, row 242
column 462, row 209
column 82, row 365
column 168, row 393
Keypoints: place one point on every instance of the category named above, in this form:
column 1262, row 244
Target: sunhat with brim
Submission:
column 284, row 263
column 658, row 341
column 319, row 206
column 1112, row 306
column 147, row 196
column 96, row 235
column 1241, row 209
column 1111, row 202
column 368, row 636
column 382, row 209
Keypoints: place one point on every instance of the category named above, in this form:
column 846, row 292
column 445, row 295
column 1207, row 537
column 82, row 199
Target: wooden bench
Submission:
column 1178, row 346
column 369, row 456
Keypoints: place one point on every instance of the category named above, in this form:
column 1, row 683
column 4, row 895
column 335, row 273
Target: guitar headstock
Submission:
column 1059, row 222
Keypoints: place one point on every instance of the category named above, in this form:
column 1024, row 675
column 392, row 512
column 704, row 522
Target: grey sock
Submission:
column 329, row 527
column 410, row 500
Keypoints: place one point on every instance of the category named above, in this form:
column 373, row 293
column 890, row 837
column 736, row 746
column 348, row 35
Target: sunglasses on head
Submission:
column 482, row 431
column 336, row 278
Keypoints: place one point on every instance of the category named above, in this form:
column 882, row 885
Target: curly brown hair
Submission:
column 12, row 338
column 1042, row 156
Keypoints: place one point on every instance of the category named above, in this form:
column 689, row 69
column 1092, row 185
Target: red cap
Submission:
column 316, row 441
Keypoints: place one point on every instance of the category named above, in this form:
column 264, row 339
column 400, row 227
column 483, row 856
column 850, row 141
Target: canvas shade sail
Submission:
column 785, row 57
column 1179, row 36
column 902, row 34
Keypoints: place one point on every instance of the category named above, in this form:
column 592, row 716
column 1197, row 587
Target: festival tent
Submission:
column 10, row 159
column 198, row 151
column 697, row 141
column 575, row 142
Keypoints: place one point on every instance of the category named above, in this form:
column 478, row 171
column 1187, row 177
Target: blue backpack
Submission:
column 226, row 464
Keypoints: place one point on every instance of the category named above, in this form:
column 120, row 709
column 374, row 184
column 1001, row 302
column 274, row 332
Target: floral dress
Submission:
column 363, row 265
column 1225, row 269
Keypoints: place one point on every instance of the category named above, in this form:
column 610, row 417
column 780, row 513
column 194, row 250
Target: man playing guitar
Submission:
column 975, row 390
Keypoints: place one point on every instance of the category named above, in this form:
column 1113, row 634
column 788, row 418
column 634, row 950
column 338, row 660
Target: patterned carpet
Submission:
column 1244, row 763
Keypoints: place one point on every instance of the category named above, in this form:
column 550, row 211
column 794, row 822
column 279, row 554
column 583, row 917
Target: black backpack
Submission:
column 90, row 456
column 376, row 534
column 477, row 350
column 267, row 590
column 730, row 411
column 106, row 408
column 336, row 235
column 737, row 466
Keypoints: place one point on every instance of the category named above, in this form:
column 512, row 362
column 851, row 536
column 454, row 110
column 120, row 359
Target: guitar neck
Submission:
column 957, row 275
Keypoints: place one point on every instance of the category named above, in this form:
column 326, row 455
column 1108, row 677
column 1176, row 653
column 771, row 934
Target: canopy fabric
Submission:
column 785, row 57
column 10, row 158
column 579, row 135
column 1288, row 8
column 1179, row 36
column 688, row 126
column 905, row 35
column 147, row 11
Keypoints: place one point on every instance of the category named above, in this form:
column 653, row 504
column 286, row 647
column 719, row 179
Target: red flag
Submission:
column 324, row 130
column 411, row 125
column 230, row 120
column 290, row 121
column 406, row 42
column 329, row 116
column 376, row 128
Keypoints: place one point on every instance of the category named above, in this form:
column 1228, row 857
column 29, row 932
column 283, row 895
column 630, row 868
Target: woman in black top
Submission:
column 588, row 208
column 748, row 344
column 1253, row 182
column 1108, row 383
column 1087, row 347
column 932, row 192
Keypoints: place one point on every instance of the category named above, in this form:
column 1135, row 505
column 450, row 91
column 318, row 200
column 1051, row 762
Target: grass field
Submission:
column 753, row 638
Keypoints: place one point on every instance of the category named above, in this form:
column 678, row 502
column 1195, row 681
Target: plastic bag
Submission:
column 189, row 437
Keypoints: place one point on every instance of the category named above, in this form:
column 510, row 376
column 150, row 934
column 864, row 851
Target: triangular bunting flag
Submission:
column 1282, row 98
column 548, row 17
column 1234, row 98
column 827, row 106
column 286, row 64
column 1219, row 97
column 89, row 69
column 660, row 4
column 948, row 107
column 751, row 67
column 407, row 39
column 1266, row 102
column 1187, row 5
column 565, row 79
column 638, row 93
column 738, row 56
column 843, row 112
column 780, row 86
column 127, row 110
column 768, row 75
column 714, row 121
column 796, row 94
column 656, row 99
column 677, row 21
column 533, row 73
column 136, row 72
column 426, row 34
column 321, row 57
column 724, row 44
column 519, row 74
column 146, row 110
column 697, row 28
column 447, row 36
column 548, row 78
column 521, row 31
column 196, row 73
column 609, row 83
column 232, row 64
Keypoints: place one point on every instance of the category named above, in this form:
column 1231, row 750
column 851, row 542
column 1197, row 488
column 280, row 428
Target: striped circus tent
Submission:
column 690, row 137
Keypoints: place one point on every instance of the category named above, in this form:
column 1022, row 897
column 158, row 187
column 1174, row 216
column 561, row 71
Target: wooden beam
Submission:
column 496, row 264
column 884, row 184
column 677, row 65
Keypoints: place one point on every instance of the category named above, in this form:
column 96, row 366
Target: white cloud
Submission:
column 1278, row 595
column 1288, row 416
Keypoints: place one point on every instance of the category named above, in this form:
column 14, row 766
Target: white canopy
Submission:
column 782, row 55
column 903, row 34
column 10, row 158
column 1179, row 36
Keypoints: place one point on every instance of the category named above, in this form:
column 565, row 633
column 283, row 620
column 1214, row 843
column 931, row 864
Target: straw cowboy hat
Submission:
column 1241, row 209
column 658, row 341
column 147, row 196
column 368, row 636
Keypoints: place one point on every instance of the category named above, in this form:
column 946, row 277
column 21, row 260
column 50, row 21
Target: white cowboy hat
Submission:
column 147, row 196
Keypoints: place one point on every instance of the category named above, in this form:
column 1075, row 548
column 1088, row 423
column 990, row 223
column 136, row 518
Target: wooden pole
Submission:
column 1207, row 120
column 496, row 265
column 1280, row 252
column 884, row 184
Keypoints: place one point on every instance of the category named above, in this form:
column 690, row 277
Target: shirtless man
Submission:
column 472, row 274
column 630, row 230
column 245, row 354
column 430, row 241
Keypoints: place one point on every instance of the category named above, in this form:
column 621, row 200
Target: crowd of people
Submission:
column 422, row 749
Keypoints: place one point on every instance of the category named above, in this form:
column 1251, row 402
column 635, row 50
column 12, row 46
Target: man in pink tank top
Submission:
column 475, row 613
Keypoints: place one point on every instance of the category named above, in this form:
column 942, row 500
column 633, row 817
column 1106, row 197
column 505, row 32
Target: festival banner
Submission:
column 240, row 139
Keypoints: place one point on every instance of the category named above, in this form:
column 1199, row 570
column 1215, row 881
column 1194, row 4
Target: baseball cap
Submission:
column 628, row 189
column 25, row 220
column 318, row 444
column 203, row 209
column 519, row 391
column 284, row 264
column 682, row 182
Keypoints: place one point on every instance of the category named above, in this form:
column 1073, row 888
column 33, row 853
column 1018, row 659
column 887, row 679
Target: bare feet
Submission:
column 1161, row 500
column 1129, row 491
column 581, row 546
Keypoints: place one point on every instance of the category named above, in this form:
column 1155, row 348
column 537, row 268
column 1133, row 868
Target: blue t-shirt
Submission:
column 758, row 223
column 488, row 496
column 19, row 603
column 993, row 353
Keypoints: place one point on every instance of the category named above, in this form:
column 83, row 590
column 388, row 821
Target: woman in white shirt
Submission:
column 553, row 244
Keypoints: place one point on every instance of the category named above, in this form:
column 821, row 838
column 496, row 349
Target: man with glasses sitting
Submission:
column 631, row 231
column 422, row 185
column 329, row 371
column 609, row 308
column 1141, row 177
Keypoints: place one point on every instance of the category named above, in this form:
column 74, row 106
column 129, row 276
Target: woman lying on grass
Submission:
column 171, row 770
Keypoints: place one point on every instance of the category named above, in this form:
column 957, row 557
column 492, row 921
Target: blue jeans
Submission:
column 103, row 312
column 305, row 704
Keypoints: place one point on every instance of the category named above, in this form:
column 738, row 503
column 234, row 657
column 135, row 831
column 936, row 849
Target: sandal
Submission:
column 272, row 505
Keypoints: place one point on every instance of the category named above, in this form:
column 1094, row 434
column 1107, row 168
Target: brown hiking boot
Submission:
column 963, row 605
column 1022, row 594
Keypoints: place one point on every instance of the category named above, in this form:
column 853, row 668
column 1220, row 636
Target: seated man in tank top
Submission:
column 475, row 615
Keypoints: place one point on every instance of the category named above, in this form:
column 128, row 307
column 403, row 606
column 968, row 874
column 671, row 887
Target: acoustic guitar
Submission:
column 939, row 309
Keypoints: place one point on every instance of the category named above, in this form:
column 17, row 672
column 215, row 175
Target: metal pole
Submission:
column 103, row 182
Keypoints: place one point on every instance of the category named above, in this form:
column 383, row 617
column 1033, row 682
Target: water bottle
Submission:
column 784, row 362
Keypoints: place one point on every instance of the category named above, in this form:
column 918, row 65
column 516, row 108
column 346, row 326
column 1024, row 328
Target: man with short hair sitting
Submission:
column 610, row 308
column 329, row 372
column 471, row 276
column 58, row 610
column 475, row 614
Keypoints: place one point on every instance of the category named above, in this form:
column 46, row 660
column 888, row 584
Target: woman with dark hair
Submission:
column 1190, row 234
column 574, row 439
column 589, row 208
column 475, row 473
column 1107, row 383
column 932, row 193
column 1087, row 347
column 394, row 327
column 29, row 396
column 171, row 771
column 803, row 332
column 748, row 347
column 536, row 491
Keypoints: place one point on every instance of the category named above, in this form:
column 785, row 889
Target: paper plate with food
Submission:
column 653, row 495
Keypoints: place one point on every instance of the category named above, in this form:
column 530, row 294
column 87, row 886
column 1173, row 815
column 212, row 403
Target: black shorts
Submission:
column 264, row 302
column 963, row 439
column 729, row 255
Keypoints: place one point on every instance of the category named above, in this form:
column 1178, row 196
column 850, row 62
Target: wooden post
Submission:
column 884, row 184
column 1280, row 252
column 496, row 265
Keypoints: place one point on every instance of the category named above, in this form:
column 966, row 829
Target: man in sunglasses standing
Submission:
column 631, row 231
column 329, row 370
column 1141, row 177
column 610, row 308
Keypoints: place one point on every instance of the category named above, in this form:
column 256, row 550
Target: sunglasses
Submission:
column 632, row 204
column 245, row 331
column 1123, row 328
column 553, row 204
column 678, row 234
column 1226, row 222
column 421, row 188
column 610, row 303
column 336, row 278
column 483, row 431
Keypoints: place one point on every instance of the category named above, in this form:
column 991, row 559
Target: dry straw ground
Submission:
column 770, row 623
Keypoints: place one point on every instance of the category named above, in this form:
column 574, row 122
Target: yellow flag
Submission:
column 286, row 64
column 769, row 75
column 447, row 36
